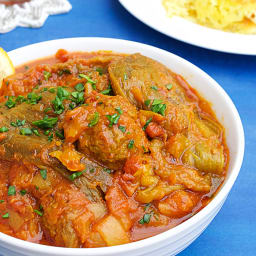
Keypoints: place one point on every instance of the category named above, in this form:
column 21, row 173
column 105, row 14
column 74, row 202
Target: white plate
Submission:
column 152, row 13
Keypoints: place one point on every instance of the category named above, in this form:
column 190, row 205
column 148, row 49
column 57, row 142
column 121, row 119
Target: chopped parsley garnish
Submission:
column 122, row 128
column 11, row 191
column 156, row 102
column 87, row 78
column 20, row 99
column 119, row 110
column 47, row 75
column 52, row 90
column 147, row 123
column 64, row 71
column 26, row 131
column 5, row 216
column 50, row 137
column 33, row 98
column 78, row 97
column 169, row 86
column 4, row 129
column 145, row 219
column 10, row 102
column 43, row 173
column 26, row 67
column 107, row 91
column 60, row 134
column 131, row 144
column 100, row 71
column 75, row 175
column 39, row 212
column 107, row 170
column 18, row 123
column 47, row 110
column 94, row 120
column 46, row 123
column 23, row 192
column 47, row 132
column 113, row 119
column 79, row 87
column 35, row 131
column 144, row 149
column 36, row 187
column 158, row 107
column 92, row 170
column 147, row 102
column 44, row 90
column 1, row 201
column 57, row 105
column 154, row 87
column 72, row 105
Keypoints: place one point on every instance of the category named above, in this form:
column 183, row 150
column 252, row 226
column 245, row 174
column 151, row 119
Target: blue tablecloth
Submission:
column 233, row 231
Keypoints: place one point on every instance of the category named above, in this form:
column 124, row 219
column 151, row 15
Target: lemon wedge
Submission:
column 6, row 66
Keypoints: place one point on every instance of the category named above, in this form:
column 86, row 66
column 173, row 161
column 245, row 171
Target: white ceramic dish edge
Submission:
column 176, row 239
column 152, row 13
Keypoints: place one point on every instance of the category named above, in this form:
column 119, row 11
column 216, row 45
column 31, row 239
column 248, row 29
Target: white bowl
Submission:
column 174, row 240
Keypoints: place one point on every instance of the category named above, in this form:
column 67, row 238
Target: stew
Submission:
column 101, row 149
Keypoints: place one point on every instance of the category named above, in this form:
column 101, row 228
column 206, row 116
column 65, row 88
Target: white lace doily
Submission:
column 30, row 14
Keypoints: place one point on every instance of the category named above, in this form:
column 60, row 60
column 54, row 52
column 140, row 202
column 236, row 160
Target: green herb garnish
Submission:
column 35, row 131
column 113, row 119
column 147, row 102
column 75, row 175
column 4, row 129
column 119, row 110
column 5, row 216
column 43, row 173
column 47, row 75
column 100, row 71
column 18, row 123
column 122, row 128
column 154, row 87
column 47, row 110
column 87, row 78
column 158, row 107
column 147, row 123
column 39, row 212
column 107, row 170
column 79, row 87
column 46, row 123
column 50, row 137
column 131, row 144
column 10, row 102
column 60, row 134
column 11, row 191
column 94, row 120
column 78, row 97
column 26, row 131
column 52, row 90
column 33, row 98
column 169, row 86
column 20, row 99
column 23, row 192
column 145, row 219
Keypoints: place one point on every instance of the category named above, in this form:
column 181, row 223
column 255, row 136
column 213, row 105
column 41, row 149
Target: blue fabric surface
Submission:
column 233, row 231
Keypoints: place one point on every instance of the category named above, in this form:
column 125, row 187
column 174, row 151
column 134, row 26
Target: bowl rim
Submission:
column 18, row 244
